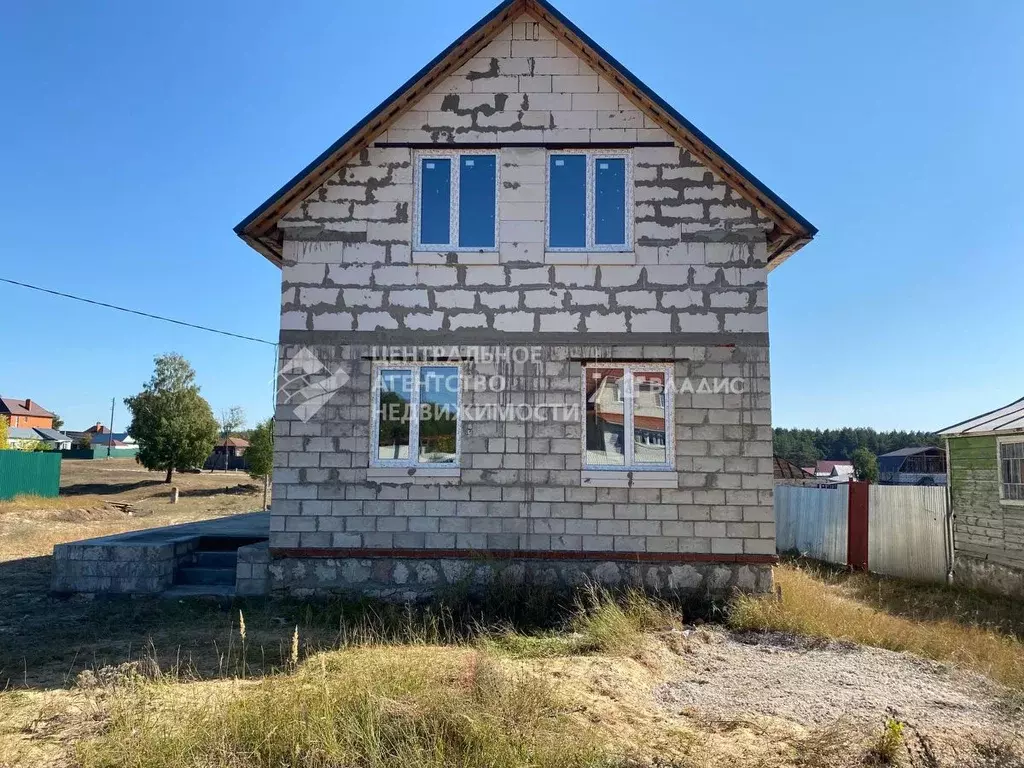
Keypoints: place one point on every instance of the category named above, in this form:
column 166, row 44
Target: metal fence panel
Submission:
column 907, row 531
column 812, row 521
column 29, row 473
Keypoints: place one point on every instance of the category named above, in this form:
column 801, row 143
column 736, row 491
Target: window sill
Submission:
column 601, row 478
column 415, row 475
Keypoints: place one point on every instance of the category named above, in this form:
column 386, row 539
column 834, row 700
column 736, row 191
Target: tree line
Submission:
column 803, row 447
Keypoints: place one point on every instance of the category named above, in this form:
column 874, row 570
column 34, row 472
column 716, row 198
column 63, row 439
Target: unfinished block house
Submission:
column 524, row 334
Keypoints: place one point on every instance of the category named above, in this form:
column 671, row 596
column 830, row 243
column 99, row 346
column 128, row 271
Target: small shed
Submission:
column 986, row 491
column 920, row 465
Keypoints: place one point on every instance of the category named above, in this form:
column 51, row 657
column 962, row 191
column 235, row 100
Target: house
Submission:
column 788, row 473
column 25, row 413
column 229, row 453
column 20, row 437
column 840, row 471
column 986, row 492
column 920, row 465
column 485, row 284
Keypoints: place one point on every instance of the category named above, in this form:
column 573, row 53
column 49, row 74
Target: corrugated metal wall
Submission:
column 812, row 521
column 907, row 532
column 29, row 473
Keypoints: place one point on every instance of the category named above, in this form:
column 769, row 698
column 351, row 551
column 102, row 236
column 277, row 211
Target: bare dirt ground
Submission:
column 946, row 712
column 45, row 641
column 704, row 696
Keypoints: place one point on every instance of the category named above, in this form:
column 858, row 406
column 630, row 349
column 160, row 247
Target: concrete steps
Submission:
column 209, row 571
column 184, row 591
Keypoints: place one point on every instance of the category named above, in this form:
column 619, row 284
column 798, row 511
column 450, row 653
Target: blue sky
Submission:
column 136, row 135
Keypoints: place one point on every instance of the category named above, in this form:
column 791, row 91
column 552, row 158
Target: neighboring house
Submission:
column 25, row 413
column 524, row 211
column 923, row 465
column 790, row 474
column 229, row 453
column 837, row 471
column 986, row 490
column 20, row 437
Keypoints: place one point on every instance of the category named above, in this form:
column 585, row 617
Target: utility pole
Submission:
column 110, row 436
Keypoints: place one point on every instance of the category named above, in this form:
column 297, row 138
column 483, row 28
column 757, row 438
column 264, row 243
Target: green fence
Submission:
column 100, row 452
column 24, row 472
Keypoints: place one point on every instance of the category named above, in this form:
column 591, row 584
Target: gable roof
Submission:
column 787, row 470
column 22, row 407
column 792, row 231
column 1009, row 418
column 37, row 433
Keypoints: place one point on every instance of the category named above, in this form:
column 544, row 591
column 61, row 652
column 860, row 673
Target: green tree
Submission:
column 58, row 422
column 865, row 464
column 259, row 456
column 3, row 433
column 171, row 421
column 231, row 421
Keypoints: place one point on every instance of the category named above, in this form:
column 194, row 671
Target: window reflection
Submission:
column 438, row 414
column 649, row 418
column 605, row 436
column 394, row 414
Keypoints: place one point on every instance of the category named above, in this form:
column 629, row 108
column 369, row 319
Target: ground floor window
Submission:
column 628, row 417
column 1011, row 470
column 416, row 416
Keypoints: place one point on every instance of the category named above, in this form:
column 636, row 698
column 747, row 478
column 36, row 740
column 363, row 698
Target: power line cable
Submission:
column 137, row 312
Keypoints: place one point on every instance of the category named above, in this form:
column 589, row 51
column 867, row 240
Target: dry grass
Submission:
column 966, row 628
column 415, row 706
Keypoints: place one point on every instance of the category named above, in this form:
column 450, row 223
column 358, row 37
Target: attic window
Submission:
column 589, row 201
column 456, row 201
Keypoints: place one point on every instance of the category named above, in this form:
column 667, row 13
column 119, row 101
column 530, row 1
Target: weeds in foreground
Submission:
column 809, row 606
column 601, row 622
column 886, row 748
column 379, row 706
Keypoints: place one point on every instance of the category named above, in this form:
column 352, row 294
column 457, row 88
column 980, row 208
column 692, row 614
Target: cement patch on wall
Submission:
column 399, row 579
column 988, row 576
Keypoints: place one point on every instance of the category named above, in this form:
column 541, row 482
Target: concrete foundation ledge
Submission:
column 989, row 576
column 403, row 579
column 96, row 567
column 252, row 574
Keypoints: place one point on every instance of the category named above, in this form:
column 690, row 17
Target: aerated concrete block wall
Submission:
column 691, row 291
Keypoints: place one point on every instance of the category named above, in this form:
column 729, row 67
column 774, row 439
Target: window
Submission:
column 416, row 416
column 631, row 430
column 589, row 198
column 1011, row 471
column 456, row 201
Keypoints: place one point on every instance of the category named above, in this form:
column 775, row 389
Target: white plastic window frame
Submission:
column 629, row 435
column 1000, row 442
column 591, row 190
column 455, row 157
column 413, row 461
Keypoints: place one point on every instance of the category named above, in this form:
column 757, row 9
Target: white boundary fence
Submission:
column 908, row 534
column 907, row 531
column 812, row 521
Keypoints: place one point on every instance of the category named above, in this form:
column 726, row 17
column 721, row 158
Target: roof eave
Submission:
column 792, row 231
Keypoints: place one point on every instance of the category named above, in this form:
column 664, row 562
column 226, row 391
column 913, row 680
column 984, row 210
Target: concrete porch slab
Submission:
column 145, row 562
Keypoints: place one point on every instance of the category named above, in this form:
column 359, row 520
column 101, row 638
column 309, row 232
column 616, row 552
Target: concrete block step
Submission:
column 196, row 575
column 182, row 591
column 203, row 559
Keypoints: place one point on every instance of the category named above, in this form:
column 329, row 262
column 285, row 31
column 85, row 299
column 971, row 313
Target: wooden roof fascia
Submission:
column 790, row 233
column 255, row 230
